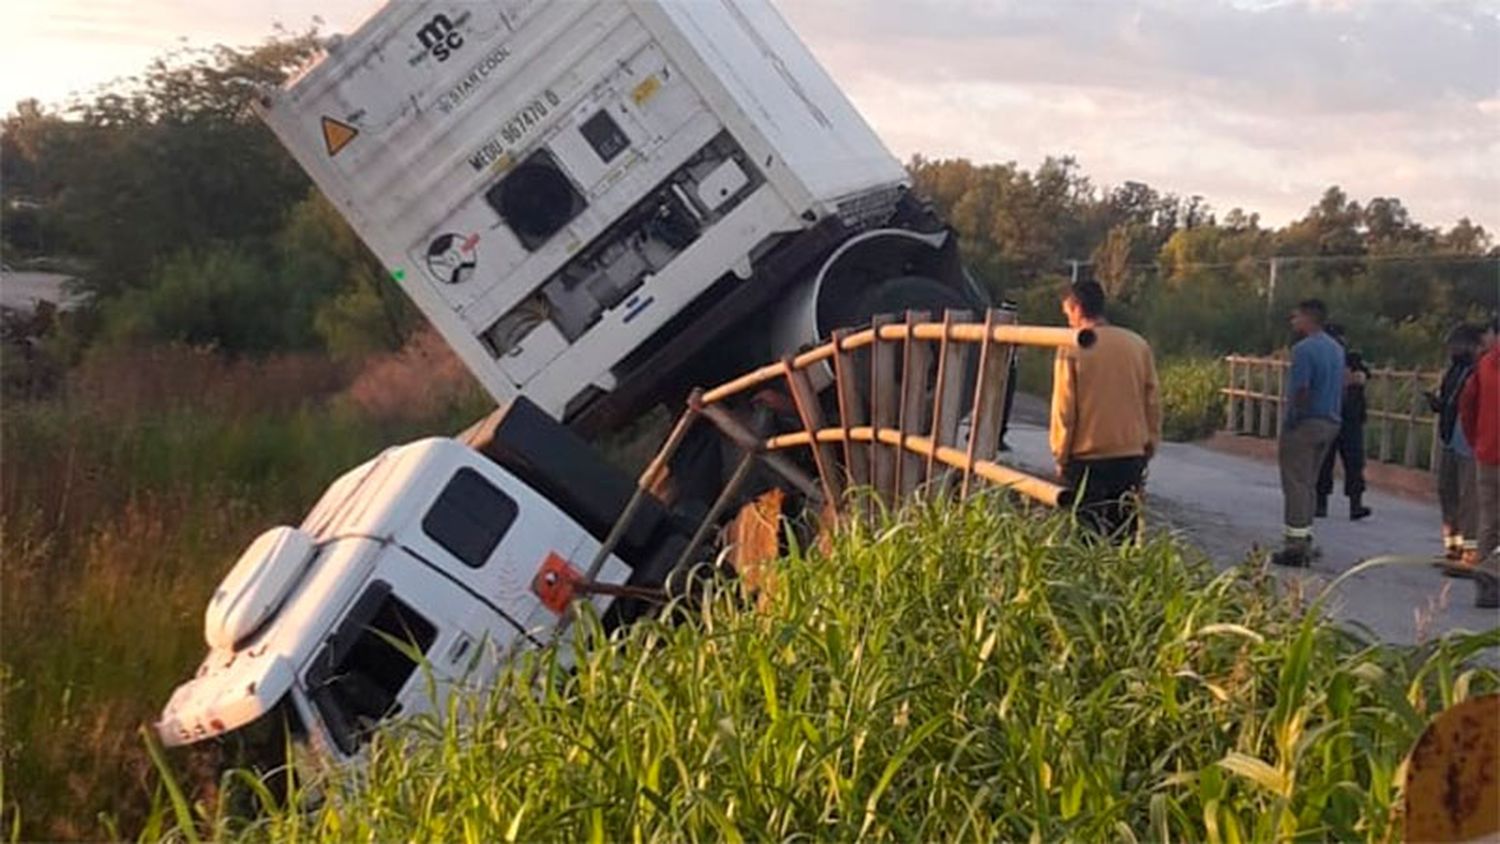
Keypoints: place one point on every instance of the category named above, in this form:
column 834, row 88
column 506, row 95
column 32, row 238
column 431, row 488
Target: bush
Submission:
column 222, row 296
column 958, row 673
column 1192, row 406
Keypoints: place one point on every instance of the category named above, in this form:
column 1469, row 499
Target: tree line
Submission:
column 185, row 221
column 1198, row 283
column 183, row 218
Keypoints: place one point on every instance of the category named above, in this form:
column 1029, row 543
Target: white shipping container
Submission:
column 552, row 181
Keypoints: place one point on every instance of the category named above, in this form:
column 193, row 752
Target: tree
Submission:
column 173, row 160
column 1126, row 244
column 1465, row 238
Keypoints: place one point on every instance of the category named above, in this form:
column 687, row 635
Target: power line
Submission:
column 1444, row 257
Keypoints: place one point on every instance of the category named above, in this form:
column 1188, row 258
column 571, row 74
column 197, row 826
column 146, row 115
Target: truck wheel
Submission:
column 896, row 296
column 905, row 293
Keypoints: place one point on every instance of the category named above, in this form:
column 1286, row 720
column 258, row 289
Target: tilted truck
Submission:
column 597, row 204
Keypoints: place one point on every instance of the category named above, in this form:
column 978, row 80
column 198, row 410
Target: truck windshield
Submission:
column 355, row 680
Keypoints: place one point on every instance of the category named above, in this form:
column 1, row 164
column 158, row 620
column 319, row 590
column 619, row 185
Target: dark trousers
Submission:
column 1010, row 399
column 1107, row 494
column 1349, row 447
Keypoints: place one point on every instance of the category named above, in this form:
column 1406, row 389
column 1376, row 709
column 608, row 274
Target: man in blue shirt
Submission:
column 1314, row 406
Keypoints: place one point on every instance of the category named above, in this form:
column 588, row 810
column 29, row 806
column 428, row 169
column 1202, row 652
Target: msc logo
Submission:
column 440, row 37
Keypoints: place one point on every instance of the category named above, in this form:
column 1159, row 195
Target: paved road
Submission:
column 1230, row 505
column 23, row 290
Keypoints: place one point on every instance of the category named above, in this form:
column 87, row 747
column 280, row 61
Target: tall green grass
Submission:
column 123, row 500
column 957, row 673
column 1192, row 406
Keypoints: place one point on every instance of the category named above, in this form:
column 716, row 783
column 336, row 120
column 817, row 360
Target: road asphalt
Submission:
column 1230, row 506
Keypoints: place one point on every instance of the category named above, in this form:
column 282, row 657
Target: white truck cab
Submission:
column 430, row 544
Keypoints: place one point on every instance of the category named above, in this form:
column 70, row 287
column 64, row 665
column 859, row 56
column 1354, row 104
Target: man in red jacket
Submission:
column 1479, row 413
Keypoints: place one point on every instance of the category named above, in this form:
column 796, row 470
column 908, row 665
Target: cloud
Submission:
column 1257, row 103
column 1253, row 104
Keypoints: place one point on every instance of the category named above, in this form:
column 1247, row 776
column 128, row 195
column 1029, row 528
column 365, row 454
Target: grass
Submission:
column 1192, row 406
column 124, row 499
column 956, row 673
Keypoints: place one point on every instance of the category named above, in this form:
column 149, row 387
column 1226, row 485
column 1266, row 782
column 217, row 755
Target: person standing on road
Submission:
column 1456, row 471
column 1314, row 413
column 1012, row 377
column 1479, row 413
column 1106, row 416
column 1349, row 445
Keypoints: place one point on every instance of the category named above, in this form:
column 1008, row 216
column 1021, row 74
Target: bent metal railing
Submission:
column 917, row 406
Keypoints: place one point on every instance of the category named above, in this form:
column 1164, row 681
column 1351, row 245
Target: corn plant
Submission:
column 954, row 673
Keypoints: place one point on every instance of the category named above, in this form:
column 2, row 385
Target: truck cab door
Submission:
column 407, row 642
column 492, row 534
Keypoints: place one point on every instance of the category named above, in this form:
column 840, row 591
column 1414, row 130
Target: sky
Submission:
column 1258, row 104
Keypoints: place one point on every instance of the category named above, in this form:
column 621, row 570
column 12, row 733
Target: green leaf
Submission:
column 894, row 764
column 1255, row 770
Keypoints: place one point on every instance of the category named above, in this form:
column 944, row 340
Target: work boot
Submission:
column 1321, row 512
column 1486, row 590
column 1295, row 554
column 1465, row 566
column 1357, row 509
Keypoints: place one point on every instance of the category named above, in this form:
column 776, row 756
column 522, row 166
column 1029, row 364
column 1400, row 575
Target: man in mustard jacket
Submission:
column 1106, row 416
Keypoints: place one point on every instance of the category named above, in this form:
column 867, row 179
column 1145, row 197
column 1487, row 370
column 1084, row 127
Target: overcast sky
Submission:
column 1249, row 103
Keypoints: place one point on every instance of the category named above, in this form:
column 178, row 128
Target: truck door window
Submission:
column 354, row 681
column 470, row 517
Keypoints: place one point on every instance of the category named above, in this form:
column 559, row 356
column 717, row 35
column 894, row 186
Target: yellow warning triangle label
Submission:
column 337, row 134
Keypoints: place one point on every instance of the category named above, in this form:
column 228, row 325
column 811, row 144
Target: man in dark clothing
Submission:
column 1457, row 474
column 1350, row 443
column 1012, row 377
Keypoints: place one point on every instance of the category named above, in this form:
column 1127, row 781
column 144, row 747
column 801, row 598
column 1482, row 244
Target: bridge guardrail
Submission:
column 1400, row 429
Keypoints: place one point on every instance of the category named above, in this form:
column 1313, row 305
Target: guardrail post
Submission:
column 883, row 408
column 1409, row 454
column 1229, row 398
column 912, row 418
column 1387, row 384
column 989, row 397
column 811, row 414
column 852, row 411
column 1265, row 399
column 948, row 394
column 1435, row 454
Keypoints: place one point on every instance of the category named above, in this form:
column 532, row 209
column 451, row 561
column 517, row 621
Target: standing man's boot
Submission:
column 1357, row 509
column 1321, row 510
column 1296, row 553
column 1486, row 590
column 1465, row 566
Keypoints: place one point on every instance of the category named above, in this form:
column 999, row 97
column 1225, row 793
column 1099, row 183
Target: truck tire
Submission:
column 905, row 293
column 896, row 296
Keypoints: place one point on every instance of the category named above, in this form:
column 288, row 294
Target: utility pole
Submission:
column 1271, row 284
column 1074, row 263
